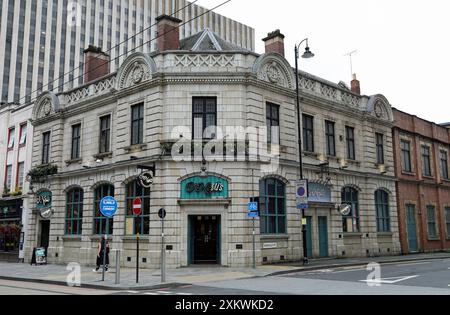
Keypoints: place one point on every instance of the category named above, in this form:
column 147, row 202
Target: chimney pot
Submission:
column 96, row 64
column 168, row 33
column 355, row 85
column 275, row 42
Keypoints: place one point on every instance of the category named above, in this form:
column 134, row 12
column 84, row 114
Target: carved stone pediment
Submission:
column 273, row 68
column 46, row 104
column 379, row 107
column 136, row 69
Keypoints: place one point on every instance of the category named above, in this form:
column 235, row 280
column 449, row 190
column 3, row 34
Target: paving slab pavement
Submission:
column 151, row 279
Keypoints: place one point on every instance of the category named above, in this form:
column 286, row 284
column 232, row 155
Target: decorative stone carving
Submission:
column 46, row 104
column 138, row 73
column 204, row 61
column 274, row 69
column 379, row 110
column 136, row 69
column 379, row 107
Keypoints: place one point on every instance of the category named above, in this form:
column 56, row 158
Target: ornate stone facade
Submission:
column 243, row 85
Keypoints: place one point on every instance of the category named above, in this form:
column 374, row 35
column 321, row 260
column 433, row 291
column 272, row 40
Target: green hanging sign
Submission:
column 201, row 188
column 44, row 200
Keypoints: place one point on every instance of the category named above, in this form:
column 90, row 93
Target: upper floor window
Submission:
column 11, row 138
column 380, row 147
column 46, row 147
column 137, row 124
column 273, row 206
column 105, row 134
column 382, row 208
column 273, row 123
column 308, row 133
column 426, row 160
column 330, row 137
column 23, row 134
column 405, row 146
column 74, row 212
column 76, row 141
column 102, row 224
column 8, row 178
column 20, row 174
column 204, row 118
column 444, row 164
column 141, row 223
column 431, row 222
column 350, row 222
column 350, row 138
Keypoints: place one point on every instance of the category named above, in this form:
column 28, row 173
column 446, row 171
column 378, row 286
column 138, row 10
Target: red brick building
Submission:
column 421, row 153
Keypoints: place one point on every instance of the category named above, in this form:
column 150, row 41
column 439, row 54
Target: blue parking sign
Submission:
column 108, row 207
column 252, row 206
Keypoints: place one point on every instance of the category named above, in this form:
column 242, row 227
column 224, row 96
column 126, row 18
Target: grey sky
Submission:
column 403, row 46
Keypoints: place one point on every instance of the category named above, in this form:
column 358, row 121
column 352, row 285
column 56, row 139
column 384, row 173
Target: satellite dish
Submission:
column 345, row 210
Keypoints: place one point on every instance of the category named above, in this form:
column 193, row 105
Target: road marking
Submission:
column 133, row 292
column 184, row 293
column 412, row 264
column 342, row 271
column 150, row 293
column 163, row 292
column 392, row 280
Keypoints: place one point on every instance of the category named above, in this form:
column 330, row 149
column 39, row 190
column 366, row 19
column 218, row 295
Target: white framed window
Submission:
column 23, row 135
column 11, row 138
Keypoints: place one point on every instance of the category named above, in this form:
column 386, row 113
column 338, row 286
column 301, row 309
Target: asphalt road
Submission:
column 430, row 277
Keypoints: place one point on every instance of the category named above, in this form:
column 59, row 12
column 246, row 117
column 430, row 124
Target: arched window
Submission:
column 383, row 213
column 350, row 222
column 102, row 225
column 272, row 206
column 137, row 224
column 74, row 211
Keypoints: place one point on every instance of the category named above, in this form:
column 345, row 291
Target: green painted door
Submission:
column 309, row 242
column 413, row 245
column 323, row 237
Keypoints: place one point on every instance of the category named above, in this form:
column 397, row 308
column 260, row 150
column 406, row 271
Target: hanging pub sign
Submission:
column 319, row 193
column 44, row 204
column 211, row 187
column 146, row 179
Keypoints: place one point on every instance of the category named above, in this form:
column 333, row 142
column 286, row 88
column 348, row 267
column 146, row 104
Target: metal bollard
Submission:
column 118, row 266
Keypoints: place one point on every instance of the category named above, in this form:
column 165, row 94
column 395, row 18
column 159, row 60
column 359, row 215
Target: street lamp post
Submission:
column 307, row 54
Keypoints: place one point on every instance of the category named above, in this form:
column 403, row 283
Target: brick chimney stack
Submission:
column 96, row 64
column 275, row 43
column 168, row 33
column 355, row 85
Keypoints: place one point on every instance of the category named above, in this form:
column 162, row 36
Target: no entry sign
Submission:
column 137, row 206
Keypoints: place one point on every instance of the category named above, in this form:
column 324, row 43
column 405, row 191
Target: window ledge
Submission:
column 385, row 234
column 356, row 234
column 74, row 161
column 142, row 238
column 428, row 177
column 434, row 239
column 71, row 237
column 103, row 155
column 99, row 237
column 135, row 148
column 274, row 236
column 309, row 153
column 408, row 173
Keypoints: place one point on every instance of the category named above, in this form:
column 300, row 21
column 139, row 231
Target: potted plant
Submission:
column 40, row 173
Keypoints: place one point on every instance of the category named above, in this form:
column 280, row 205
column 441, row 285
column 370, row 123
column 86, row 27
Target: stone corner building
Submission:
column 98, row 135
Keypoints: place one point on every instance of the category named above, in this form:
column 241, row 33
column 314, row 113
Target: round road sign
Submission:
column 137, row 206
column 162, row 213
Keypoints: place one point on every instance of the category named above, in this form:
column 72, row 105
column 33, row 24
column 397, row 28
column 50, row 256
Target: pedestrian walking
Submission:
column 102, row 249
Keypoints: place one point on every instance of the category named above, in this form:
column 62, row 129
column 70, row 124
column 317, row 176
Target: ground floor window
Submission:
column 431, row 221
column 351, row 221
column 447, row 220
column 382, row 208
column 74, row 211
column 137, row 223
column 273, row 206
column 102, row 225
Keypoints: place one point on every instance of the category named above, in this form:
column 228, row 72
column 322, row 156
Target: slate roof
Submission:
column 207, row 40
